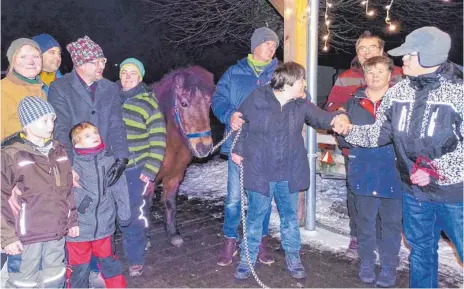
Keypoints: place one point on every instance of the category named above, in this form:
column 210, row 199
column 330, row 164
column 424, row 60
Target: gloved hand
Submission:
column 116, row 170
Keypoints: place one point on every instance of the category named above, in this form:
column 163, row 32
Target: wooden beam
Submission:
column 278, row 5
column 295, row 22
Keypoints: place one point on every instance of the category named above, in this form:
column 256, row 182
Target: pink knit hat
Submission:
column 84, row 50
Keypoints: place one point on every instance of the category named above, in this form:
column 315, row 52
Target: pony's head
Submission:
column 191, row 90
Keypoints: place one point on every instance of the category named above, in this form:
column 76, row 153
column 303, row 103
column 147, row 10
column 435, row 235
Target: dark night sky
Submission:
column 116, row 25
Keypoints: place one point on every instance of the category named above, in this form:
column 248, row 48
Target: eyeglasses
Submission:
column 98, row 61
column 371, row 48
column 407, row 57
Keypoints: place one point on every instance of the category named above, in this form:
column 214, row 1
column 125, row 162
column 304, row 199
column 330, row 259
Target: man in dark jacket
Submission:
column 232, row 89
column 84, row 95
column 422, row 116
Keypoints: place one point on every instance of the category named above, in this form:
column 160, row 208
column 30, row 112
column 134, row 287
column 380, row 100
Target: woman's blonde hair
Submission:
column 13, row 59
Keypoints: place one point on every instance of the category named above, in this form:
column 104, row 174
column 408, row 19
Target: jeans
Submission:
column 258, row 204
column 390, row 212
column 423, row 222
column 134, row 236
column 232, row 205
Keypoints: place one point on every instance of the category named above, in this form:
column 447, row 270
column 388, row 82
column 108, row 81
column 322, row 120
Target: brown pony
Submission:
column 184, row 97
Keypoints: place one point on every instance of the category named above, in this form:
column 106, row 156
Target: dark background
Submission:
column 118, row 27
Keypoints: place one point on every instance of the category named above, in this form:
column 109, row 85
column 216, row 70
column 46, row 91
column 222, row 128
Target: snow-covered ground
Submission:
column 208, row 181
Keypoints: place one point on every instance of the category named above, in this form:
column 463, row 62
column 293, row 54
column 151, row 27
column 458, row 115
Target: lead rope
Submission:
column 242, row 205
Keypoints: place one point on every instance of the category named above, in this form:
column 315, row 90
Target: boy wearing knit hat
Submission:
column 232, row 89
column 34, row 239
column 51, row 59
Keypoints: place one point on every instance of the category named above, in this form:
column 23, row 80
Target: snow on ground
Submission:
column 208, row 181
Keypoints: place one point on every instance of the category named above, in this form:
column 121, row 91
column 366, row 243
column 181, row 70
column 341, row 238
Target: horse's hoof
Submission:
column 177, row 241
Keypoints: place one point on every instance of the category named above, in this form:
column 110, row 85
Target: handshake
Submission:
column 341, row 124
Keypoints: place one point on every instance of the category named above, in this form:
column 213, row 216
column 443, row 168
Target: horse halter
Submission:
column 179, row 122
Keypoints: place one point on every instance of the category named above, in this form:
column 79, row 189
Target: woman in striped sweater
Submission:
column 146, row 137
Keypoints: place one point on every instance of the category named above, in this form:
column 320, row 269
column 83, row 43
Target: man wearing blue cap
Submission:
column 422, row 115
column 51, row 59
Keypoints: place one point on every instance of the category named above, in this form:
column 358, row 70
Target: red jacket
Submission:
column 349, row 81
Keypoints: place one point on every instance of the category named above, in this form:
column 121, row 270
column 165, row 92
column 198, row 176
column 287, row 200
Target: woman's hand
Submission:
column 420, row 178
column 236, row 159
column 75, row 179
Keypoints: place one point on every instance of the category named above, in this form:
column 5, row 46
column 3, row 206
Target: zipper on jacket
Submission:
column 98, row 197
column 22, row 220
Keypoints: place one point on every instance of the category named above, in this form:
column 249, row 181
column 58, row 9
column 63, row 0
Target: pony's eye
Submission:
column 183, row 104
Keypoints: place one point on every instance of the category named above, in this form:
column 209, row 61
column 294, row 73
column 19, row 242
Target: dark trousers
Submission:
column 389, row 243
column 134, row 236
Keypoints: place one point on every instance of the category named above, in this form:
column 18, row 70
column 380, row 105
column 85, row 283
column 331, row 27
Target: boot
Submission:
column 294, row 265
column 352, row 251
column 242, row 272
column 264, row 253
column 229, row 249
column 367, row 271
column 387, row 277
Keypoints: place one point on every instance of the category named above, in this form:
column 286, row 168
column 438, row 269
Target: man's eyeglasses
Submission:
column 407, row 57
column 99, row 61
column 371, row 48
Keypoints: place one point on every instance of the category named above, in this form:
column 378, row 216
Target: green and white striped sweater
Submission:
column 146, row 133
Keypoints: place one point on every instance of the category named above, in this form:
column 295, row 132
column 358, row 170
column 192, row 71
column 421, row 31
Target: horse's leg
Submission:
column 170, row 206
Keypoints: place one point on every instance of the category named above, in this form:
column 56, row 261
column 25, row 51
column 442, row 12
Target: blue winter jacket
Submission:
column 233, row 88
column 370, row 171
column 46, row 88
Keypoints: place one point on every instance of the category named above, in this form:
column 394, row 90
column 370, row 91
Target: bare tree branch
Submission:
column 200, row 23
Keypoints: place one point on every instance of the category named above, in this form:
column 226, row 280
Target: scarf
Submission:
column 36, row 80
column 257, row 66
column 48, row 77
column 45, row 149
column 90, row 151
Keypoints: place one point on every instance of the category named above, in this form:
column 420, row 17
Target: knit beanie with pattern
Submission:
column 31, row 108
column 135, row 62
column 84, row 50
column 17, row 44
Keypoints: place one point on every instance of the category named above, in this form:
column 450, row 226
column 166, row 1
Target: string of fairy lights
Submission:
column 369, row 13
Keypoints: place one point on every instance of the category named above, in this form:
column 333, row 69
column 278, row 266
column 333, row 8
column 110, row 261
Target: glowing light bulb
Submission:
column 364, row 3
column 387, row 7
column 325, row 48
column 325, row 37
column 327, row 22
column 371, row 13
column 392, row 27
column 330, row 5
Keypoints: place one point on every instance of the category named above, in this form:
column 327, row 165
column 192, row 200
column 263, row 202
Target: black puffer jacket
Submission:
column 423, row 116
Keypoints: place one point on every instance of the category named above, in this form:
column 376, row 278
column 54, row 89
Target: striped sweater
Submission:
column 146, row 133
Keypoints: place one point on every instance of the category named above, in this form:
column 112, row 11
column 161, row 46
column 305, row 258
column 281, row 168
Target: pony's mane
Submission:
column 194, row 77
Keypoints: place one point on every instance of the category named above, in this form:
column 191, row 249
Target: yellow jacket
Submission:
column 13, row 90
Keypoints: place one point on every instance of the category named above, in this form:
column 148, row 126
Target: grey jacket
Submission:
column 73, row 105
column 97, row 205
